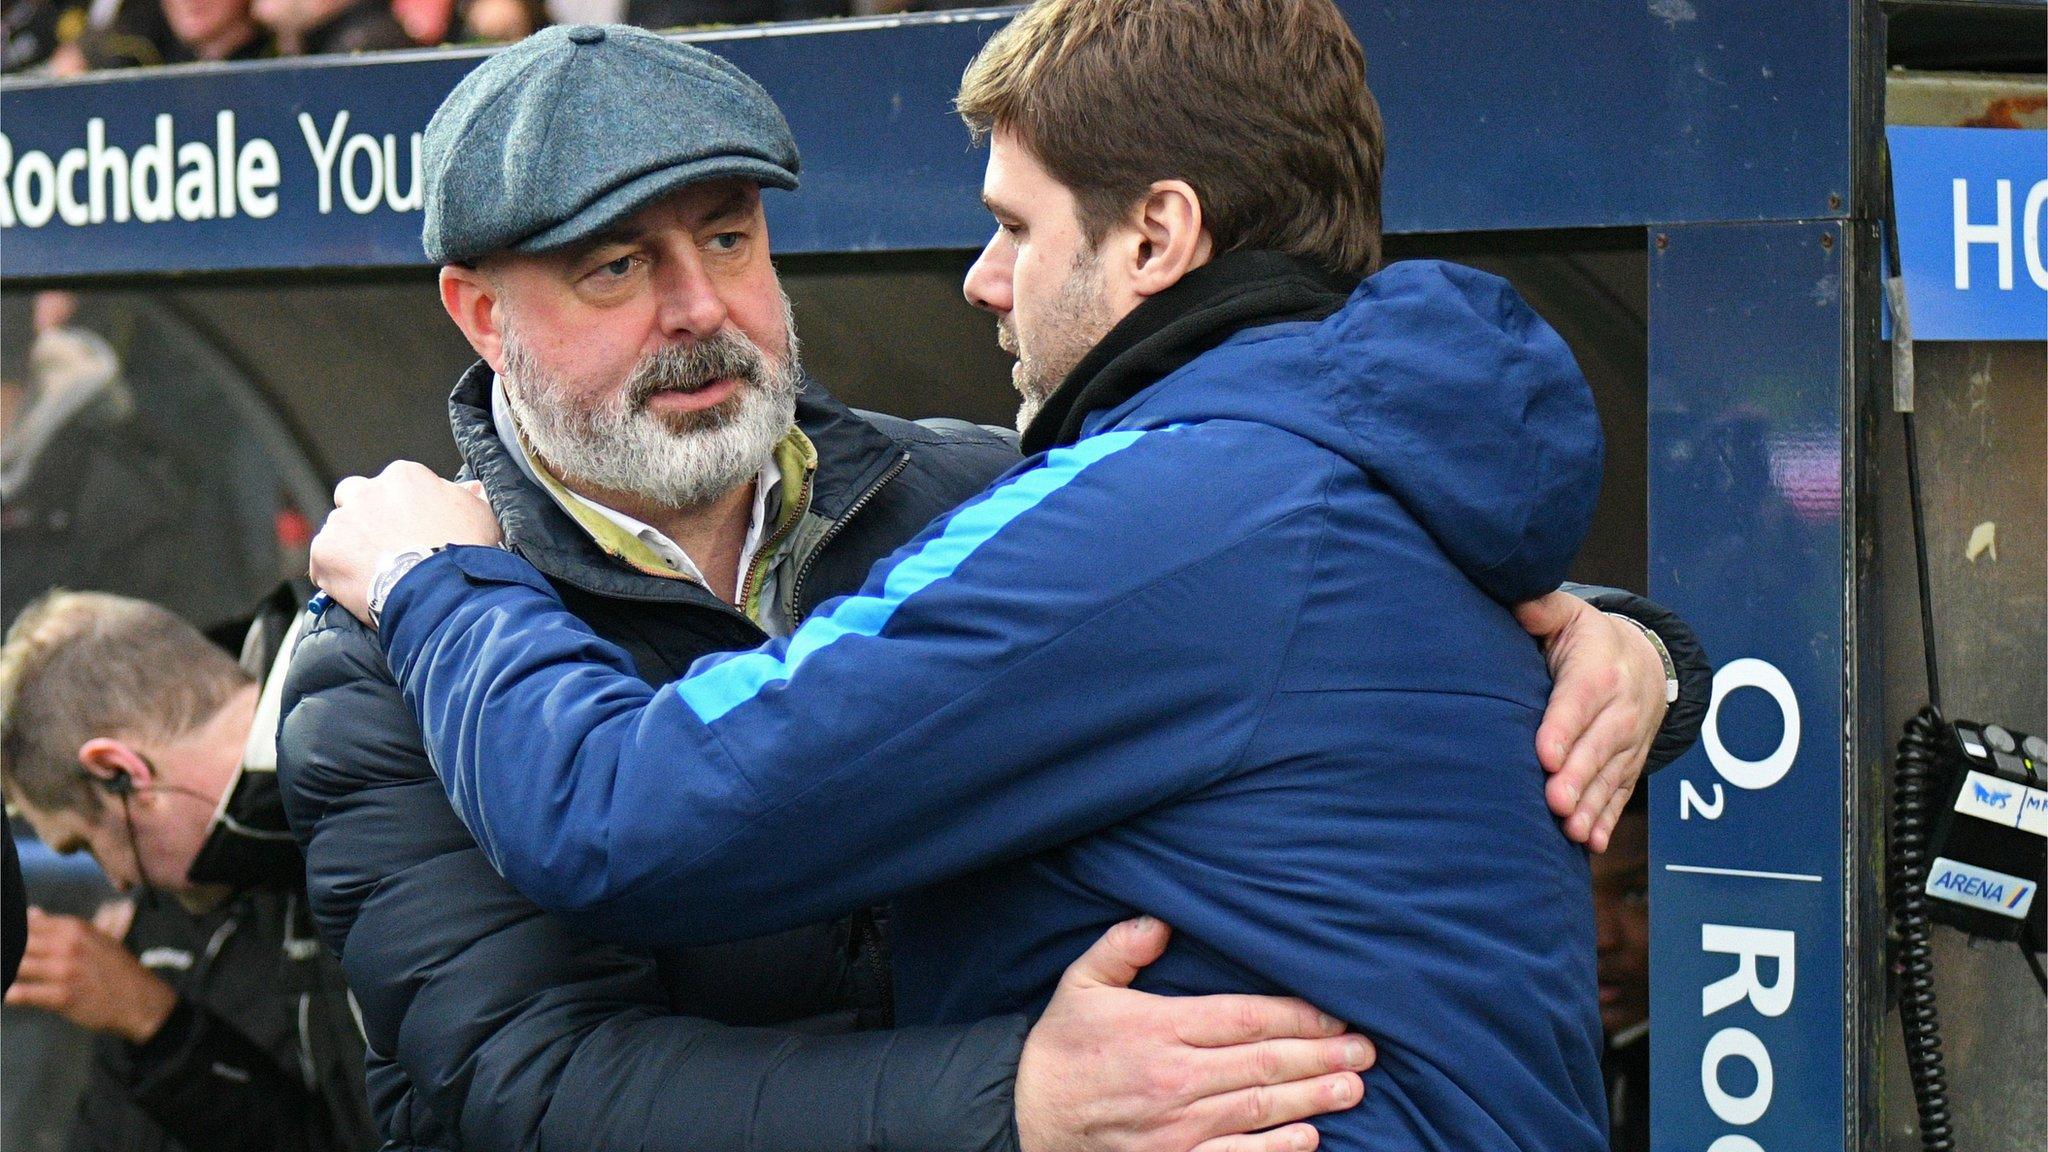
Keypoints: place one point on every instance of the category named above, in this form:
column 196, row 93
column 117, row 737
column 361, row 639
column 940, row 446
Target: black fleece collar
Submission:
column 1235, row 291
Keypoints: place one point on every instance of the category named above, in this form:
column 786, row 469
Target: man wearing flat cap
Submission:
column 644, row 436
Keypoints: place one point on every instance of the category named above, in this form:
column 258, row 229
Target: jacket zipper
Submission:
column 796, row 592
column 880, row 1009
column 766, row 552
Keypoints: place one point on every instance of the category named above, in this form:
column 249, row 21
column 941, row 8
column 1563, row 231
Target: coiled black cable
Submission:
column 1912, row 824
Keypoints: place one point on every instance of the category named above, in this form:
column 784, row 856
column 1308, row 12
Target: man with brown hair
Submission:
column 1234, row 645
column 222, row 1024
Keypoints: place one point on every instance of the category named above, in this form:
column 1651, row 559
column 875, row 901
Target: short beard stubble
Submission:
column 1072, row 324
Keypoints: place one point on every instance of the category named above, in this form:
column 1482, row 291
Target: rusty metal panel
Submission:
column 1982, row 418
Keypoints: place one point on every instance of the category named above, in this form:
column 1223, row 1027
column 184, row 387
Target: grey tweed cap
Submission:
column 576, row 127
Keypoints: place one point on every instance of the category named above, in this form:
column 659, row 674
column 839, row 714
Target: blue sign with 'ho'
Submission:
column 1973, row 231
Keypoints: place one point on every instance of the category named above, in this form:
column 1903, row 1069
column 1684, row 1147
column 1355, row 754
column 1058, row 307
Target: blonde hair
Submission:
column 1260, row 105
column 80, row 665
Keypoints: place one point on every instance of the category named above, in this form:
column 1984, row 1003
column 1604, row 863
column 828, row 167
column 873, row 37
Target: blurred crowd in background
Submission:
column 72, row 37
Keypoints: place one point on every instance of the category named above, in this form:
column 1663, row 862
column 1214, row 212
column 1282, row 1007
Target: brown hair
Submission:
column 79, row 665
column 1260, row 105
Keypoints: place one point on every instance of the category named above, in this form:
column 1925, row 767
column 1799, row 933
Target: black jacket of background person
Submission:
column 490, row 1025
column 14, row 907
column 262, row 1052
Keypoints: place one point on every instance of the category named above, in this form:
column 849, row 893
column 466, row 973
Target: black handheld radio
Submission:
column 1990, row 839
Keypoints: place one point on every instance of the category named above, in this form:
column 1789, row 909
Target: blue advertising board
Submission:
column 1973, row 231
column 315, row 164
column 1497, row 117
column 1749, row 527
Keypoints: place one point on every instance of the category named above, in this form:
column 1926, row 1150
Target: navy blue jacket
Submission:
column 1237, row 656
column 492, row 1025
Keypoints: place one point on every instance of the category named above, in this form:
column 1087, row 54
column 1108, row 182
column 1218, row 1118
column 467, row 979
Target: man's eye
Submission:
column 619, row 267
column 727, row 241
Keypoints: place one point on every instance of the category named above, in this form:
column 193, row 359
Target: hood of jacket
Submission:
column 1436, row 380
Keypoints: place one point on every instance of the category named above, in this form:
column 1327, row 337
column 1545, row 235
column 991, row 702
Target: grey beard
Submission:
column 617, row 444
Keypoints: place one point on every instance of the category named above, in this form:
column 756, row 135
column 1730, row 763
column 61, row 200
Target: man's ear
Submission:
column 106, row 758
column 472, row 302
column 1168, row 238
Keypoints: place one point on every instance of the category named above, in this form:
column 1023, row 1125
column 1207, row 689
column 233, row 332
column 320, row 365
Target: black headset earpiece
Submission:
column 121, row 785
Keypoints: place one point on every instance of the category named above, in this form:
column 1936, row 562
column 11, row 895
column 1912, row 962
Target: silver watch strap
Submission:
column 387, row 577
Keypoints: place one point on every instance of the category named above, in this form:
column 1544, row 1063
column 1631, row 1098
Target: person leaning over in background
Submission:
column 127, row 734
column 1232, row 646
column 636, row 427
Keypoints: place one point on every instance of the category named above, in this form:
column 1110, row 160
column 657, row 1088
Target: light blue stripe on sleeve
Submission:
column 722, row 687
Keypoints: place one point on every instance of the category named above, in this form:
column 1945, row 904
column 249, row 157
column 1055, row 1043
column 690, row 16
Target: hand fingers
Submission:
column 1619, row 745
column 1546, row 616
column 1591, row 801
column 49, row 934
column 1291, row 1138
column 1576, row 703
column 357, row 487
column 1250, row 1109
column 40, row 970
column 33, row 994
column 1581, row 787
column 1115, row 959
column 1603, row 829
column 1268, row 1062
column 1227, row 1020
column 1558, row 742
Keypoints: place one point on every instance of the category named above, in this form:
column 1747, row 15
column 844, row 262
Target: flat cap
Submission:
column 576, row 127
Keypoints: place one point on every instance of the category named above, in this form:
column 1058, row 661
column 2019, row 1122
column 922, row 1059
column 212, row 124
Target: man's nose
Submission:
column 988, row 282
column 690, row 303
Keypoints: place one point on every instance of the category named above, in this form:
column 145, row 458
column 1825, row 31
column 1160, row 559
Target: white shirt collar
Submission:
column 766, row 485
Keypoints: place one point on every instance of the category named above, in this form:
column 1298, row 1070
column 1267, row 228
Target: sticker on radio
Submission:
column 1980, row 888
column 2004, row 802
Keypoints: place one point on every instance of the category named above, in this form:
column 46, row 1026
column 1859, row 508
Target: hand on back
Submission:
column 1111, row 1069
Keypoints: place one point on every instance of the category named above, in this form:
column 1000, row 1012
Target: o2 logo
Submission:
column 1750, row 775
column 1760, row 988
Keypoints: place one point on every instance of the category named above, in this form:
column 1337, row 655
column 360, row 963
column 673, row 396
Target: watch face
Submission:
column 387, row 578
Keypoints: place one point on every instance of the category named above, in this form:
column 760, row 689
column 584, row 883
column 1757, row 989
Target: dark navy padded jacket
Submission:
column 494, row 1026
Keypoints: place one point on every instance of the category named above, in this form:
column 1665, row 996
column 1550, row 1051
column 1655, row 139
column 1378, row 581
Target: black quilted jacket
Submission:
column 490, row 1025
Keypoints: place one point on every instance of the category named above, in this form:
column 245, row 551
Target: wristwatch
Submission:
column 389, row 572
column 1656, row 641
